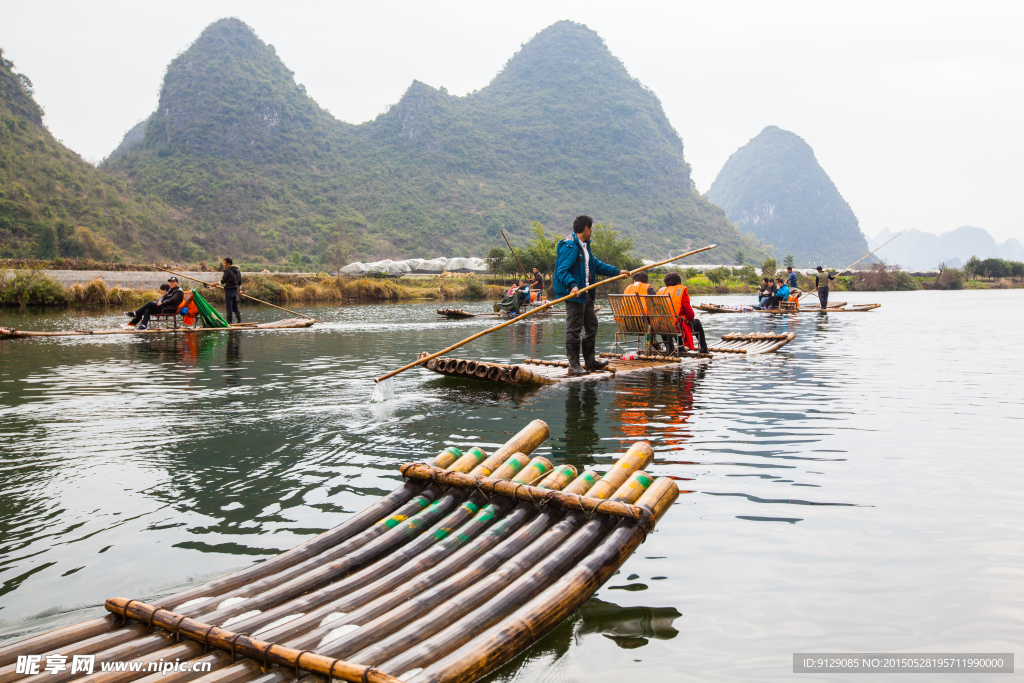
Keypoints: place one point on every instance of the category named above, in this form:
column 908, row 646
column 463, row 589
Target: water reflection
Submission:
column 855, row 492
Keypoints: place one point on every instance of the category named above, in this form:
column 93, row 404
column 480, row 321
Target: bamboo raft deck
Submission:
column 462, row 567
column 460, row 314
column 837, row 307
column 535, row 372
column 290, row 323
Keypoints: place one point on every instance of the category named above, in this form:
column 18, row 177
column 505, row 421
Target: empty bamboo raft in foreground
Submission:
column 447, row 578
column 12, row 333
column 534, row 371
column 837, row 307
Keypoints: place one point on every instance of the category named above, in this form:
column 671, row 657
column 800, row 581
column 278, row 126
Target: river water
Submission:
column 859, row 491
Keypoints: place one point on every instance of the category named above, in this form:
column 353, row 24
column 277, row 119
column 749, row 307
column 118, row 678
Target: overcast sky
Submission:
column 913, row 108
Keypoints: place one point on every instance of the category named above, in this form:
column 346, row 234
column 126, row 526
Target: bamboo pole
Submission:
column 536, row 310
column 216, row 284
column 514, row 255
column 863, row 257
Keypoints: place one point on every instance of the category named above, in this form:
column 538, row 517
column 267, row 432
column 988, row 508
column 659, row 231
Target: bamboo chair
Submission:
column 640, row 316
column 662, row 319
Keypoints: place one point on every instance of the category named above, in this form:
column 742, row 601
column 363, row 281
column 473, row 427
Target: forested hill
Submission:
column 263, row 171
column 54, row 204
column 774, row 187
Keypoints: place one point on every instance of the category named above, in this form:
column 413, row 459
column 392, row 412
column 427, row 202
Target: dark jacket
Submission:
column 172, row 298
column 232, row 278
column 821, row 279
column 569, row 268
column 791, row 280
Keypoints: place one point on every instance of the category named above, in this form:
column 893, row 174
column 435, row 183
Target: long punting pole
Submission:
column 863, row 257
column 514, row 254
column 214, row 284
column 540, row 308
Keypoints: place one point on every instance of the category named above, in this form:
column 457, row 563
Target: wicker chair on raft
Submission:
column 638, row 317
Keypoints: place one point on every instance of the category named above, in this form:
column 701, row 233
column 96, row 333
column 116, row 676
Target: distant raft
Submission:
column 447, row 578
column 12, row 333
column 538, row 371
column 837, row 307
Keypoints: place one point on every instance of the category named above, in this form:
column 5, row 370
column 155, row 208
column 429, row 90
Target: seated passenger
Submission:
column 781, row 292
column 765, row 292
column 168, row 303
column 686, row 319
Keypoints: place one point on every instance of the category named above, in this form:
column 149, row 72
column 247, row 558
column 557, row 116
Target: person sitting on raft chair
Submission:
column 765, row 292
column 781, row 292
column 686, row 319
column 641, row 286
column 168, row 303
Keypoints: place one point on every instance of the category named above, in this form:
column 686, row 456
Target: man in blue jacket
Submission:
column 576, row 268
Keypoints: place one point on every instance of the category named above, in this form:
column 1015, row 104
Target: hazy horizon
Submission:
column 912, row 112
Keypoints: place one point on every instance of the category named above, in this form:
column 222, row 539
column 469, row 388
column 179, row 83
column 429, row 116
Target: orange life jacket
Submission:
column 639, row 288
column 679, row 294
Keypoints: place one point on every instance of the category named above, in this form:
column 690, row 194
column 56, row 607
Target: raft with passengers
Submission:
column 461, row 568
column 176, row 311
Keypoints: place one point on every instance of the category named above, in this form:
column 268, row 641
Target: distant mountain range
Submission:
column 238, row 159
column 774, row 188
column 262, row 171
column 916, row 250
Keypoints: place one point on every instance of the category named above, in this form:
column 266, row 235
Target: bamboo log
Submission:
column 442, row 630
column 536, row 310
column 590, row 504
column 494, row 373
column 230, row 641
column 217, row 285
column 515, row 633
column 639, row 456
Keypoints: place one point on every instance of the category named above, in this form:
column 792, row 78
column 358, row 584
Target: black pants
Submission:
column 231, row 303
column 823, row 296
column 579, row 316
column 142, row 315
column 698, row 332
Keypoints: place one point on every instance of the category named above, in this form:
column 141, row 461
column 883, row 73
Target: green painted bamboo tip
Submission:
column 511, row 467
column 559, row 479
column 535, row 471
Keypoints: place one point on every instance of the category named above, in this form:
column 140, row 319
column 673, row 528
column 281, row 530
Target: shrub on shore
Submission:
column 30, row 288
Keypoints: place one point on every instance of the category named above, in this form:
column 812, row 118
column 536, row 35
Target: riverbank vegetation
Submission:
column 33, row 287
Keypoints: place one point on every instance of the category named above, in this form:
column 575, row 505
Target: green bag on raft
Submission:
column 211, row 318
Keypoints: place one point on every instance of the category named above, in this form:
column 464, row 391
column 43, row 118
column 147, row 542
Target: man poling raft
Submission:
column 577, row 268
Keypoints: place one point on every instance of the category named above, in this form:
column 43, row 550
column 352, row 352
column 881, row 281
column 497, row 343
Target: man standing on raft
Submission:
column 576, row 268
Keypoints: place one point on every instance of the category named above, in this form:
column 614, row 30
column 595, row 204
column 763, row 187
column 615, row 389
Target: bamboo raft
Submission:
column 459, row 314
column 462, row 567
column 534, row 371
column 837, row 307
column 12, row 333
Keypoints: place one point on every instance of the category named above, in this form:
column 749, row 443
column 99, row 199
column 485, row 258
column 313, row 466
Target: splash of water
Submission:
column 383, row 391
